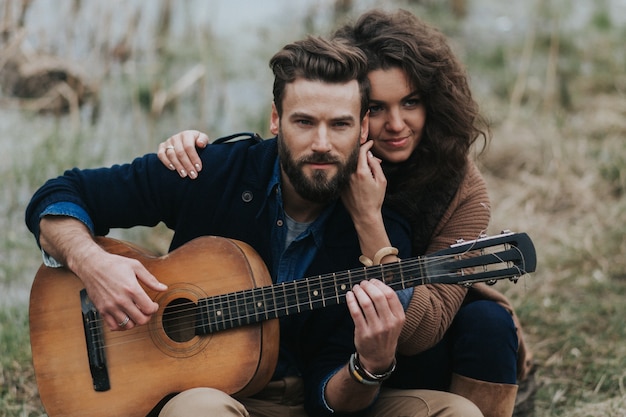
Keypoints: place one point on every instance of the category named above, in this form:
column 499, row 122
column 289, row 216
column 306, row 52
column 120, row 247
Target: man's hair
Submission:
column 317, row 59
column 401, row 40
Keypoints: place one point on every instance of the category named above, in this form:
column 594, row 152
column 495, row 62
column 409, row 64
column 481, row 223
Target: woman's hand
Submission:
column 179, row 153
column 366, row 193
column 364, row 200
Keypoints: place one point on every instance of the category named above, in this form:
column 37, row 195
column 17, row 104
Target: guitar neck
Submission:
column 278, row 300
column 488, row 259
column 274, row 301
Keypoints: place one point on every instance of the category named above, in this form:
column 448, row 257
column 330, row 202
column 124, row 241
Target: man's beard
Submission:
column 319, row 188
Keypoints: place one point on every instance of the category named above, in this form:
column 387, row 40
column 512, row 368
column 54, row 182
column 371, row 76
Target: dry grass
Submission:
column 562, row 181
column 556, row 169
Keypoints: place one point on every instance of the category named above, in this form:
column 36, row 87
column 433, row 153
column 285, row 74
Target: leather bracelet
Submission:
column 363, row 376
column 379, row 256
column 356, row 374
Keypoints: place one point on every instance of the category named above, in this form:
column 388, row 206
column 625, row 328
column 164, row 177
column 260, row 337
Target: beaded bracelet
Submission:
column 379, row 256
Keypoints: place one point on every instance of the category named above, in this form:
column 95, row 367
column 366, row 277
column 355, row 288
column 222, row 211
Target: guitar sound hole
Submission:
column 179, row 319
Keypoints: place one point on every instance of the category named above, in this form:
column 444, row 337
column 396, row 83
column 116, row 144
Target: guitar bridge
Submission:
column 92, row 324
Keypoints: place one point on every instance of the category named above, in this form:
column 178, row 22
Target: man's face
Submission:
column 319, row 134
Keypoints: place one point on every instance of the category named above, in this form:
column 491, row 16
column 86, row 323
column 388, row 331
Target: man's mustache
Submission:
column 319, row 158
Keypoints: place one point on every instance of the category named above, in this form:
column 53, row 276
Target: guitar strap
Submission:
column 238, row 136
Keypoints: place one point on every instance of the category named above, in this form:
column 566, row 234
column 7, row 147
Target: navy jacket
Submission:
column 228, row 199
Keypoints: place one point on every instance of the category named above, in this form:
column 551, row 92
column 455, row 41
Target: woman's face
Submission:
column 397, row 115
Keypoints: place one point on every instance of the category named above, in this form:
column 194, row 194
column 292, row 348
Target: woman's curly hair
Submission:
column 453, row 122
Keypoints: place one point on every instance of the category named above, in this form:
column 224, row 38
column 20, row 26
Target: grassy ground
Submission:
column 572, row 307
column 556, row 169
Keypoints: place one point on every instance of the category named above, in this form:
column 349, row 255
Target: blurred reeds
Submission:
column 556, row 167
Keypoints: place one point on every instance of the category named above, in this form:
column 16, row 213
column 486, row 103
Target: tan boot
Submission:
column 494, row 400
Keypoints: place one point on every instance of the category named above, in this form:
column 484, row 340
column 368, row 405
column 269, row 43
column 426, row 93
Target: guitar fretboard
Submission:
column 274, row 301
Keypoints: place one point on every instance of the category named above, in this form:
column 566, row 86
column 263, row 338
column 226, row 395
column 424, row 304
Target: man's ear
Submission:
column 365, row 128
column 274, row 120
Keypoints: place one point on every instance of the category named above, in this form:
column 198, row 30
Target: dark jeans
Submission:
column 481, row 344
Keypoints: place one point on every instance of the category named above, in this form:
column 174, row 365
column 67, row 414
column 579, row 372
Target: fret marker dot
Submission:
column 218, row 313
column 343, row 286
column 315, row 293
column 259, row 304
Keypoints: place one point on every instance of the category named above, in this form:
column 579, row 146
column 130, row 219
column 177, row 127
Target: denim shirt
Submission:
column 64, row 209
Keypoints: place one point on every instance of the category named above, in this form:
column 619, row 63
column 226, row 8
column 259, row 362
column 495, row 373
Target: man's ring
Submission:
column 124, row 322
column 167, row 148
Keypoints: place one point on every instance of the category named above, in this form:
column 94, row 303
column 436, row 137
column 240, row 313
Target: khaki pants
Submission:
column 284, row 399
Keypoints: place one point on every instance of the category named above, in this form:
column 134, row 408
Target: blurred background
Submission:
column 92, row 83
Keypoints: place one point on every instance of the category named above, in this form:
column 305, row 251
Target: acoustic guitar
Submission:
column 216, row 325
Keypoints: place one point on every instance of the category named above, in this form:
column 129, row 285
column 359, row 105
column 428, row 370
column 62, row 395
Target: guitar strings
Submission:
column 345, row 277
column 340, row 278
column 300, row 293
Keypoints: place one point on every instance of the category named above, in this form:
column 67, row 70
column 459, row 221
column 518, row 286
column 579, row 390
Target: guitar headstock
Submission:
column 487, row 259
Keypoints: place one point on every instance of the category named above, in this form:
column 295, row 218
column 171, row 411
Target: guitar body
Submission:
column 150, row 362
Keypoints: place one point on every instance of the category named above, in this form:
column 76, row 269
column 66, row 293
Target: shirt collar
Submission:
column 316, row 228
column 274, row 180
